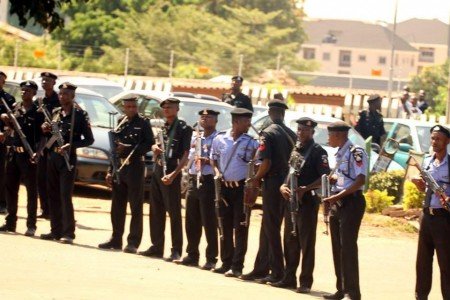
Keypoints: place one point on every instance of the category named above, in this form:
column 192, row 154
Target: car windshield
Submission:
column 98, row 109
column 189, row 113
column 106, row 91
column 424, row 135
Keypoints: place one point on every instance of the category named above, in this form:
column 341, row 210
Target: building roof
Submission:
column 423, row 31
column 16, row 32
column 352, row 34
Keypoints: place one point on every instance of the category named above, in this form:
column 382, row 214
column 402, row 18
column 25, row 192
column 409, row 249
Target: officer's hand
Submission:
column 203, row 160
column 301, row 190
column 109, row 180
column 420, row 183
column 34, row 158
column 156, row 150
column 5, row 118
column 285, row 192
column 253, row 182
column 2, row 137
column 46, row 127
column 332, row 199
column 121, row 148
column 333, row 179
column 64, row 149
column 168, row 179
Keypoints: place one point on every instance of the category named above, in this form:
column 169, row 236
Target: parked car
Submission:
column 196, row 96
column 320, row 135
column 411, row 135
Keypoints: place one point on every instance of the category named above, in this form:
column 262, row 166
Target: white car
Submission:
column 320, row 135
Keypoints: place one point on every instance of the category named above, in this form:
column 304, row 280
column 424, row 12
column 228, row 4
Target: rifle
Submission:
column 162, row 156
column 326, row 192
column 430, row 181
column 18, row 129
column 250, row 192
column 198, row 154
column 56, row 136
column 114, row 158
column 217, row 188
column 296, row 163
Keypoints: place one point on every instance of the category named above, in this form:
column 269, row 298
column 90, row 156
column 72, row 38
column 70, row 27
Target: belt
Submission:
column 194, row 176
column 232, row 184
column 439, row 212
column 19, row 149
column 124, row 161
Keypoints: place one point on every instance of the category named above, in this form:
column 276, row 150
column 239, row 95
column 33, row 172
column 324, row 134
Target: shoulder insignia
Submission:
column 357, row 153
column 324, row 160
column 262, row 143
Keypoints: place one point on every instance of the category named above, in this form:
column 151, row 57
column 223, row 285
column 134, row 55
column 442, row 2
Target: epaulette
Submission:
column 221, row 132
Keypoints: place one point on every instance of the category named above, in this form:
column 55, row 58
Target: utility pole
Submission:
column 241, row 61
column 391, row 68
column 171, row 63
column 127, row 58
column 447, row 111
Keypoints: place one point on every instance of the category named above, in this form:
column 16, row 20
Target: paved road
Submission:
column 36, row 269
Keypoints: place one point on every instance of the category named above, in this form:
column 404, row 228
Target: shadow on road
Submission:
column 92, row 192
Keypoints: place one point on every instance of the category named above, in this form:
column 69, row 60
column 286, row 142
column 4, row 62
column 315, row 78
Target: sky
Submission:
column 378, row 10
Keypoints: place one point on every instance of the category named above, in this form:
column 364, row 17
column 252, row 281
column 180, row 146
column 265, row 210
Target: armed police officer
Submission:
column 434, row 234
column 165, row 189
column 236, row 97
column 231, row 152
column 10, row 101
column 132, row 138
column 49, row 102
column 21, row 164
column 348, row 204
column 75, row 129
column 313, row 163
column 276, row 144
column 200, row 194
column 370, row 121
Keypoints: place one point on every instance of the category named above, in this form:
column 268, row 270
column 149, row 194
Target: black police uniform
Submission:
column 240, row 100
column 371, row 123
column 60, row 179
column 50, row 103
column 200, row 205
column 10, row 100
column 304, row 243
column 19, row 166
column 167, row 198
column 276, row 144
column 136, row 133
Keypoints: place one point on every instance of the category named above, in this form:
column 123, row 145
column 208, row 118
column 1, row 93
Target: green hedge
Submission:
column 377, row 200
column 391, row 182
column 413, row 198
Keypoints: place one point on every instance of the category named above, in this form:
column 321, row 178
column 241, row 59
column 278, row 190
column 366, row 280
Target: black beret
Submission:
column 29, row 84
column 373, row 97
column 169, row 100
column 130, row 98
column 48, row 74
column 440, row 128
column 3, row 74
column 307, row 122
column 339, row 126
column 241, row 112
column 237, row 78
column 206, row 112
column 68, row 86
column 277, row 103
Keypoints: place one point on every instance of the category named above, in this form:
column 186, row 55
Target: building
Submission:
column 430, row 37
column 357, row 48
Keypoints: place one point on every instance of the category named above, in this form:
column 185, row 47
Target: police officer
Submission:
column 10, row 101
column 236, row 97
column 370, row 122
column 308, row 179
column 20, row 165
column 348, row 204
column 165, row 190
column 76, row 132
column 133, row 138
column 434, row 234
column 200, row 195
column 231, row 152
column 276, row 144
column 50, row 101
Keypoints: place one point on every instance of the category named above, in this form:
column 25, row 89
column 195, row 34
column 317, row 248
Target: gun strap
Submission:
column 72, row 126
column 231, row 157
column 171, row 135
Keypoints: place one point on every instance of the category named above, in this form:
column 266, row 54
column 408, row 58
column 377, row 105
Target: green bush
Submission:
column 413, row 198
column 377, row 200
column 390, row 182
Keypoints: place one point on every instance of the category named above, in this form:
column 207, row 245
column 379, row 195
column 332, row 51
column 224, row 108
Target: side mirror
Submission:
column 404, row 147
column 375, row 148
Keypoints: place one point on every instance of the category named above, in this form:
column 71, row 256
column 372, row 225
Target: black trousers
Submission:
column 130, row 189
column 42, row 183
column 2, row 175
column 344, row 228
column 233, row 250
column 165, row 198
column 200, row 212
column 270, row 252
column 304, row 243
column 20, row 168
column 434, row 235
column 60, row 183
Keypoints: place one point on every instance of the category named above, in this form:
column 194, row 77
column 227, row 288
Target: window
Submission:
column 426, row 54
column 326, row 56
column 344, row 72
column 309, row 53
column 382, row 60
column 362, row 58
column 345, row 58
column 402, row 134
